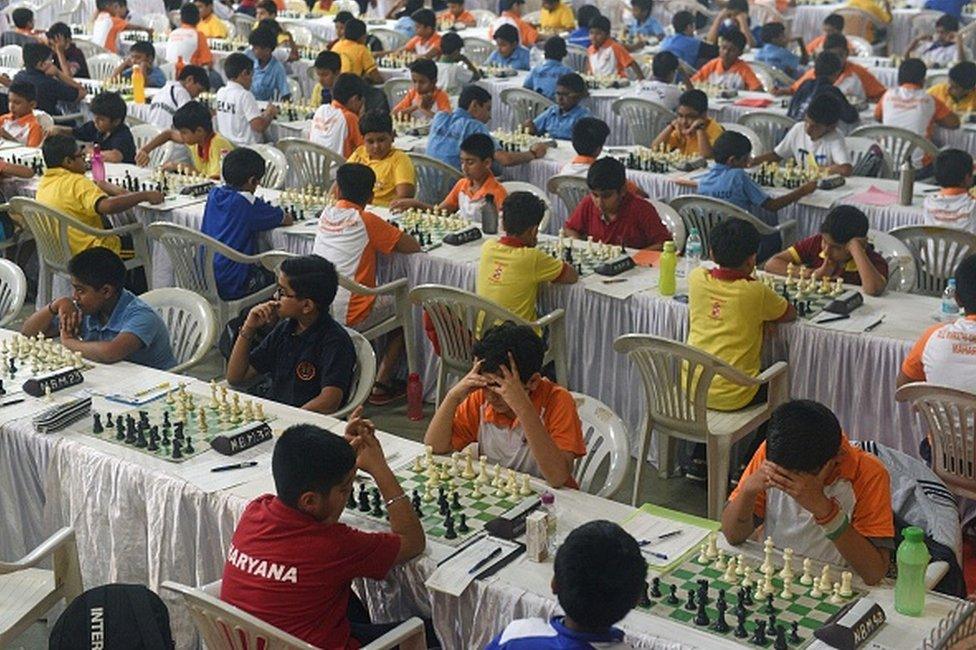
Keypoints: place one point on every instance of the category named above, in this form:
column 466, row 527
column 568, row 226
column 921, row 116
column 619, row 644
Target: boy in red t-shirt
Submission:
column 291, row 562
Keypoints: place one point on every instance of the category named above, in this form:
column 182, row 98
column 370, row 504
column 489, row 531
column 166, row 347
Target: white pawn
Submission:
column 483, row 478
column 712, row 546
column 825, row 580
column 497, row 481
column 740, row 562
column 703, row 553
column 476, row 492
column 720, row 560
column 747, row 577
column 417, row 467
column 526, row 488
column 807, row 577
column 730, row 572
column 786, row 594
column 845, row 584
column 835, row 598
column 259, row 412
column 468, row 472
column 815, row 589
column 768, row 587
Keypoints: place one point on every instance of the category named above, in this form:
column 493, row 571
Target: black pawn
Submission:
column 97, row 424
column 444, row 507
column 770, row 608
column 645, row 599
column 740, row 625
column 153, row 440
column 177, row 452
column 416, row 502
column 130, row 431
column 721, row 625
column 3, row 391
column 165, row 441
column 701, row 618
column 449, row 532
column 363, row 498
column 350, row 504
column 178, row 431
column 377, row 504
column 140, row 441
column 463, row 524
column 656, row 587
column 771, row 623
column 795, row 632
column 166, row 419
column 119, row 429
column 691, row 605
column 749, row 602
column 188, row 447
column 759, row 635
column 780, row 643
column 703, row 591
column 721, row 597
column 672, row 595
column 455, row 501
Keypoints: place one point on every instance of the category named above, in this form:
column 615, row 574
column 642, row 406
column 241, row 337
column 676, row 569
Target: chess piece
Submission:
column 452, row 467
column 645, row 599
column 770, row 608
column 526, row 489
column 720, row 560
column 417, row 467
column 767, row 555
column 795, row 632
column 449, row 532
column 656, row 587
column 188, row 447
column 807, row 577
column 202, row 420
column 377, row 503
column 780, row 643
column 47, row 394
column 672, row 598
column 703, row 591
column 177, row 451
column 786, row 573
column 740, row 625
column 483, row 470
column 259, row 412
column 815, row 589
column 759, row 634
column 740, row 565
column 703, row 553
column 463, row 524
column 476, row 491
column 497, row 481
column 512, row 485
column 701, row 616
column 428, row 492
column 97, row 424
column 845, row 584
column 825, row 579
column 455, row 501
column 731, row 576
column 468, row 472
column 351, row 501
column 786, row 594
column 771, row 622
column 691, row 605
column 835, row 598
column 747, row 578
column 712, row 546
column 767, row 586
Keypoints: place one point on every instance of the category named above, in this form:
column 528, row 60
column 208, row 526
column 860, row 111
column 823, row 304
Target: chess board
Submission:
column 789, row 176
column 586, row 257
column 497, row 71
column 396, row 61
column 33, row 159
column 657, row 161
column 601, row 82
column 517, row 140
column 303, row 205
column 23, row 358
column 807, row 303
column 295, row 111
column 808, row 612
column 431, row 228
column 476, row 510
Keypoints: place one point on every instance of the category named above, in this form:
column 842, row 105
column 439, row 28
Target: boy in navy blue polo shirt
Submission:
column 542, row 78
column 234, row 216
column 107, row 129
column 598, row 576
column 558, row 121
column 104, row 321
column 774, row 52
column 508, row 52
column 309, row 357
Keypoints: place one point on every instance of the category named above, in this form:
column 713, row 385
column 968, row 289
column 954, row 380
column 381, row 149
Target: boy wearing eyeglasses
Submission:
column 558, row 121
column 308, row 356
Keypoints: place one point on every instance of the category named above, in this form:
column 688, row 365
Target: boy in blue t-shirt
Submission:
column 581, row 35
column 683, row 43
column 233, row 216
column 542, row 78
column 508, row 52
column 598, row 577
column 643, row 23
column 558, row 121
column 142, row 54
column 269, row 82
column 774, row 53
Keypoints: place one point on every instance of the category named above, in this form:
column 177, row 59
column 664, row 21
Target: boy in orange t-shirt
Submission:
column 456, row 13
column 20, row 124
column 426, row 42
column 727, row 69
column 607, row 57
column 424, row 98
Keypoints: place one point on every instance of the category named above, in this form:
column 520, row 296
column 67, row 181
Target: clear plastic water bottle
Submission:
column 693, row 252
column 950, row 308
column 913, row 558
column 552, row 518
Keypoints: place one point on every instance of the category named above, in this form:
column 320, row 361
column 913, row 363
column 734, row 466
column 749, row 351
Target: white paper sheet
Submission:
column 455, row 574
column 858, row 321
column 647, row 528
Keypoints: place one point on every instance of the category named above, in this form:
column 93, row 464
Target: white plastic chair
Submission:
column 28, row 592
column 525, row 104
column 570, row 189
column 532, row 17
column 13, row 291
column 754, row 139
column 159, row 23
column 226, row 627
column 435, row 178
column 901, row 262
column 937, row 252
column 898, row 143
column 363, row 377
column 459, row 316
column 192, row 254
column 522, row 186
column 243, row 24
column 676, row 407
column 396, row 89
column 168, row 70
column 477, row 49
column 483, row 18
column 859, row 147
column 703, row 212
column 402, row 315
column 89, row 49
column 190, row 322
column 860, row 23
column 861, row 46
column 50, row 228
column 934, row 79
column 577, row 58
column 302, row 36
column 644, row 118
column 276, row 165
column 607, row 447
column 672, row 221
column 11, row 56
column 143, row 133
column 390, row 38
column 770, row 77
column 101, row 66
column 313, row 164
column 770, row 126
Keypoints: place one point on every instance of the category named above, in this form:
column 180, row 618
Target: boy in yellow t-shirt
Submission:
column 193, row 127
column 959, row 93
column 210, row 25
column 356, row 57
column 692, row 132
column 395, row 177
column 556, row 16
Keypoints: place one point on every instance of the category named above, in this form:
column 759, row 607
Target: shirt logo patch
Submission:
column 496, row 274
column 305, row 371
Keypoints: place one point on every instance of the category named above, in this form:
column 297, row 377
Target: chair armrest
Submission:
column 787, row 230
column 106, row 232
column 772, row 372
column 40, row 553
column 409, row 634
column 388, row 288
column 550, row 318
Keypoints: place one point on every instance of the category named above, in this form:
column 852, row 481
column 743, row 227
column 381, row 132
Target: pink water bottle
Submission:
column 97, row 164
column 415, row 397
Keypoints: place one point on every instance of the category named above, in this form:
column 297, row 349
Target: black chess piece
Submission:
column 188, row 445
column 691, row 605
column 749, row 602
column 13, row 365
column 449, row 532
column 455, row 501
column 645, row 599
column 377, row 503
column 721, row 597
column 759, row 634
column 166, row 423
column 143, row 417
column 444, row 507
column 141, row 442
column 178, row 431
column 153, row 440
column 672, row 595
column 463, row 524
column 780, row 643
column 3, row 391
column 721, row 625
column 656, row 587
column 350, row 503
column 363, row 498
column 165, row 441
column 701, row 617
column 740, row 625
column 130, row 431
column 415, row 501
column 771, row 622
column 97, row 424
column 177, row 452
column 703, row 591
column 119, row 429
column 795, row 632
column 769, row 608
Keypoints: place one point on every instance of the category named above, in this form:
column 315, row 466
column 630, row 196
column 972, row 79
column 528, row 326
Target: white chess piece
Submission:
column 730, row 572
column 712, row 546
column 468, row 472
column 807, row 577
column 835, row 598
column 526, row 489
column 786, row 573
column 47, row 394
column 767, row 554
column 452, row 468
column 703, row 553
column 497, row 481
column 768, row 587
column 740, row 565
column 825, row 580
column 483, row 478
column 786, row 594
column 815, row 589
column 747, row 577
column 417, row 467
column 259, row 412
column 720, row 560
column 845, row 584
column 476, row 491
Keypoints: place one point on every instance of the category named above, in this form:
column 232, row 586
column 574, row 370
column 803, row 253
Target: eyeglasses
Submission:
column 560, row 93
column 280, row 293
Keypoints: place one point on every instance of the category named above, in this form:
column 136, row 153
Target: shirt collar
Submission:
column 953, row 191
column 313, row 330
column 910, row 86
column 114, row 321
column 730, row 275
column 612, row 635
column 343, row 203
column 514, row 242
column 585, row 160
column 203, row 149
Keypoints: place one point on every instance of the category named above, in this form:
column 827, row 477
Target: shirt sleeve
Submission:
column 785, row 148
column 264, row 216
column 563, row 423
column 281, row 80
column 403, row 171
column 749, row 77
column 703, row 72
column 87, row 194
column 337, row 363
column 123, row 142
column 203, row 55
column 86, row 132
column 759, row 509
column 541, row 122
column 912, row 367
column 249, row 106
column 35, row 135
column 941, row 110
column 799, row 82
column 576, row 220
column 143, row 323
column 623, row 56
column 872, row 87
column 157, row 79
column 467, row 421
column 451, row 200
column 367, row 61
column 754, row 193
column 805, row 251
column 878, row 110
column 872, row 516
column 411, row 45
column 838, row 151
column 262, row 357
column 547, row 268
column 406, row 101
column 381, row 234
column 773, row 304
column 366, row 555
column 443, row 101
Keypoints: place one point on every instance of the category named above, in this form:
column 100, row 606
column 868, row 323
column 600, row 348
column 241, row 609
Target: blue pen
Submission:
column 660, row 556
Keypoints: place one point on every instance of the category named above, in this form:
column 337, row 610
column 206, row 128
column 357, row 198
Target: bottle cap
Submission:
column 669, row 246
column 952, row 282
column 547, row 498
column 913, row 534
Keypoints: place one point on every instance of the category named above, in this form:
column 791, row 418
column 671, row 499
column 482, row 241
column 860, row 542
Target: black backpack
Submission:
column 114, row 617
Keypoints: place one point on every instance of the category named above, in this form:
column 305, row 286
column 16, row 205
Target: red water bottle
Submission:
column 415, row 397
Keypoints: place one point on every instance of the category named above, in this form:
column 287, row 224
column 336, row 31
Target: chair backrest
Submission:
column 577, row 58
column 758, row 145
column 12, row 56
column 936, row 78
column 49, row 227
column 243, row 24
column 434, row 177
column 769, row 76
column 89, row 49
column 859, row 147
column 703, row 212
column 301, row 35
column 949, row 417
column 901, row 262
column 760, row 14
column 769, row 126
column 13, row 291
column 898, row 143
column 532, row 17
column 190, row 322
column 525, row 104
column 363, row 377
column 477, row 49
column 396, row 89
column 143, row 133
column 644, row 118
column 276, row 165
column 607, row 447
column 923, row 22
column 570, row 189
column 672, row 221
column 483, row 18
column 937, row 251
column 297, row 6
column 169, row 70
column 313, row 164
column 522, row 186
column 101, row 66
column 858, row 22
column 861, row 46
column 390, row 38
column 159, row 23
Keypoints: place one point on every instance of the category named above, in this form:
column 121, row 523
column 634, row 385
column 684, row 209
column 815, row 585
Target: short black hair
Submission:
column 209, row 3
column 198, row 75
column 328, row 60
column 505, row 5
column 237, row 64
column 347, row 85
column 473, row 93
column 58, row 147
column 522, row 211
column 696, row 100
column 733, row 241
column 681, row 20
column 912, row 71
column 646, row 5
column 24, row 89
column 376, row 122
column 451, row 42
column 601, row 23
column 193, row 115
column 263, row 37
column 730, row 144
column 144, row 47
column 771, row 31
column 521, row 341
column 606, row 174
column 59, row 29
column 355, row 182
column 585, row 14
column 424, row 17
column 425, row 68
column 589, row 135
column 965, row 276
column 22, row 16
column 948, row 22
column 835, row 42
column 951, row 166
column 242, row 164
column 664, row 64
column 98, row 267
column 599, row 574
column 554, row 49
column 189, row 14
column 307, row 458
column 824, row 109
column 508, row 33
column 827, row 64
column 480, row 145
column 964, row 74
column 572, row 82
column 736, row 38
column 802, row 435
column 843, row 223
column 35, row 53
column 342, row 17
column 741, row 6
column 110, row 105
column 270, row 24
column 836, row 21
column 312, row 277
column 355, row 29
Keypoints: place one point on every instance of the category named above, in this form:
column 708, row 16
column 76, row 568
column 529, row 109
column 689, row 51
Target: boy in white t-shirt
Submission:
column 454, row 70
column 943, row 48
column 815, row 140
column 110, row 22
column 192, row 81
column 239, row 118
column 660, row 88
column 953, row 206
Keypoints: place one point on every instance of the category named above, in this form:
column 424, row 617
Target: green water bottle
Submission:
column 669, row 263
column 913, row 559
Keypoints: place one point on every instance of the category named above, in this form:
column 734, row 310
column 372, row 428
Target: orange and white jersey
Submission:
column 953, row 207
column 336, row 129
column 945, row 355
